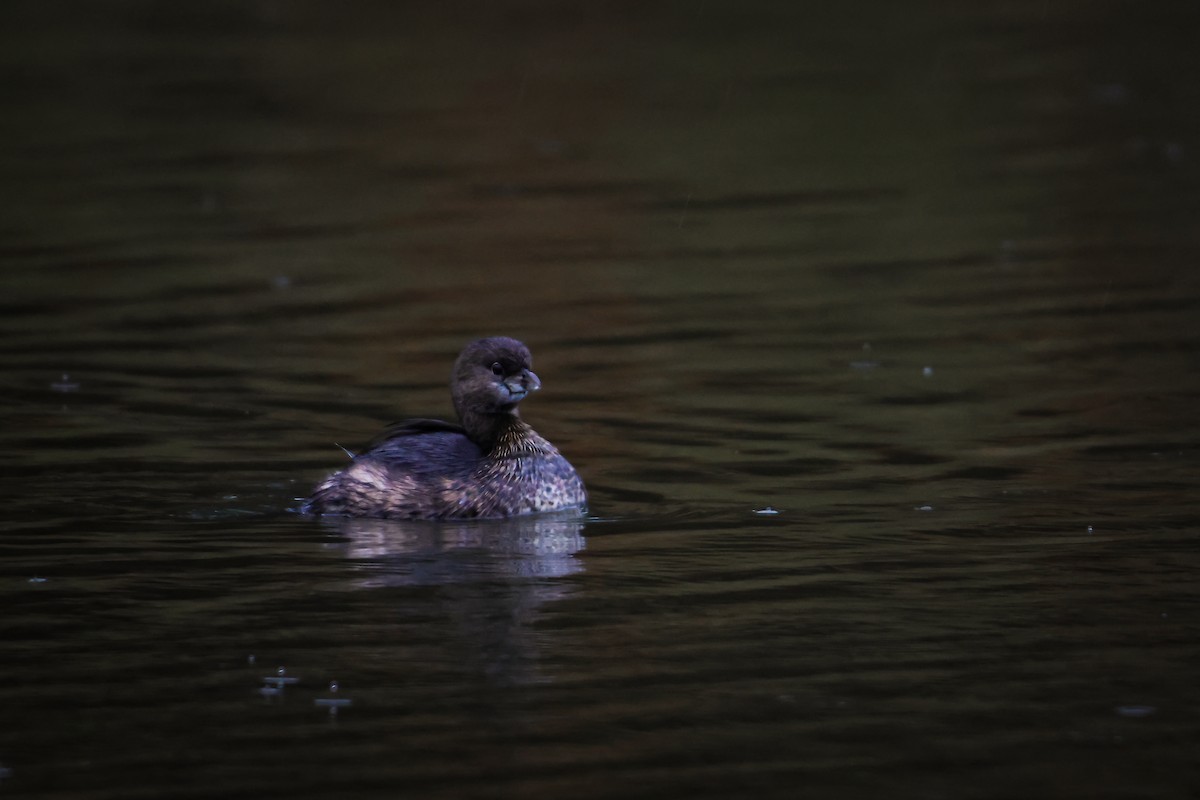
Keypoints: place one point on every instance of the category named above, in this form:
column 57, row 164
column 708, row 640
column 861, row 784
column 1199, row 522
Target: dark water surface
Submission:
column 920, row 277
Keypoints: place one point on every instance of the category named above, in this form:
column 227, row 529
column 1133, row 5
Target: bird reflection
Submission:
column 418, row 553
column 489, row 577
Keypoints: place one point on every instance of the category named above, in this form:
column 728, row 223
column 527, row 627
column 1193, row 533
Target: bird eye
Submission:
column 497, row 370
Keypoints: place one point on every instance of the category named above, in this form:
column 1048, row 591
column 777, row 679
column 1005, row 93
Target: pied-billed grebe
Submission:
column 492, row 465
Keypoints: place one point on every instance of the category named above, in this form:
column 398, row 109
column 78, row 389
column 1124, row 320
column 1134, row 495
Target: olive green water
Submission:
column 922, row 279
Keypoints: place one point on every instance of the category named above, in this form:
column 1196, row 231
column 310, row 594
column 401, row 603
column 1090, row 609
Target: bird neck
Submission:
column 504, row 434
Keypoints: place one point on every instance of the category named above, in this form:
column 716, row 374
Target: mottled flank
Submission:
column 492, row 465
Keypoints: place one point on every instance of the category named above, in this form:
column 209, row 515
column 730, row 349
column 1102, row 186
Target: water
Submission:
column 921, row 280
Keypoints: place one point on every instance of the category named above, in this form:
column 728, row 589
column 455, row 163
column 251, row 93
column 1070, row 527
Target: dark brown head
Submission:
column 490, row 378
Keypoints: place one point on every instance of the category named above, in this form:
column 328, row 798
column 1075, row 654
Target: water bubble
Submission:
column 38, row 580
column 332, row 703
column 767, row 511
column 923, row 508
column 1135, row 711
column 65, row 385
column 1089, row 528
